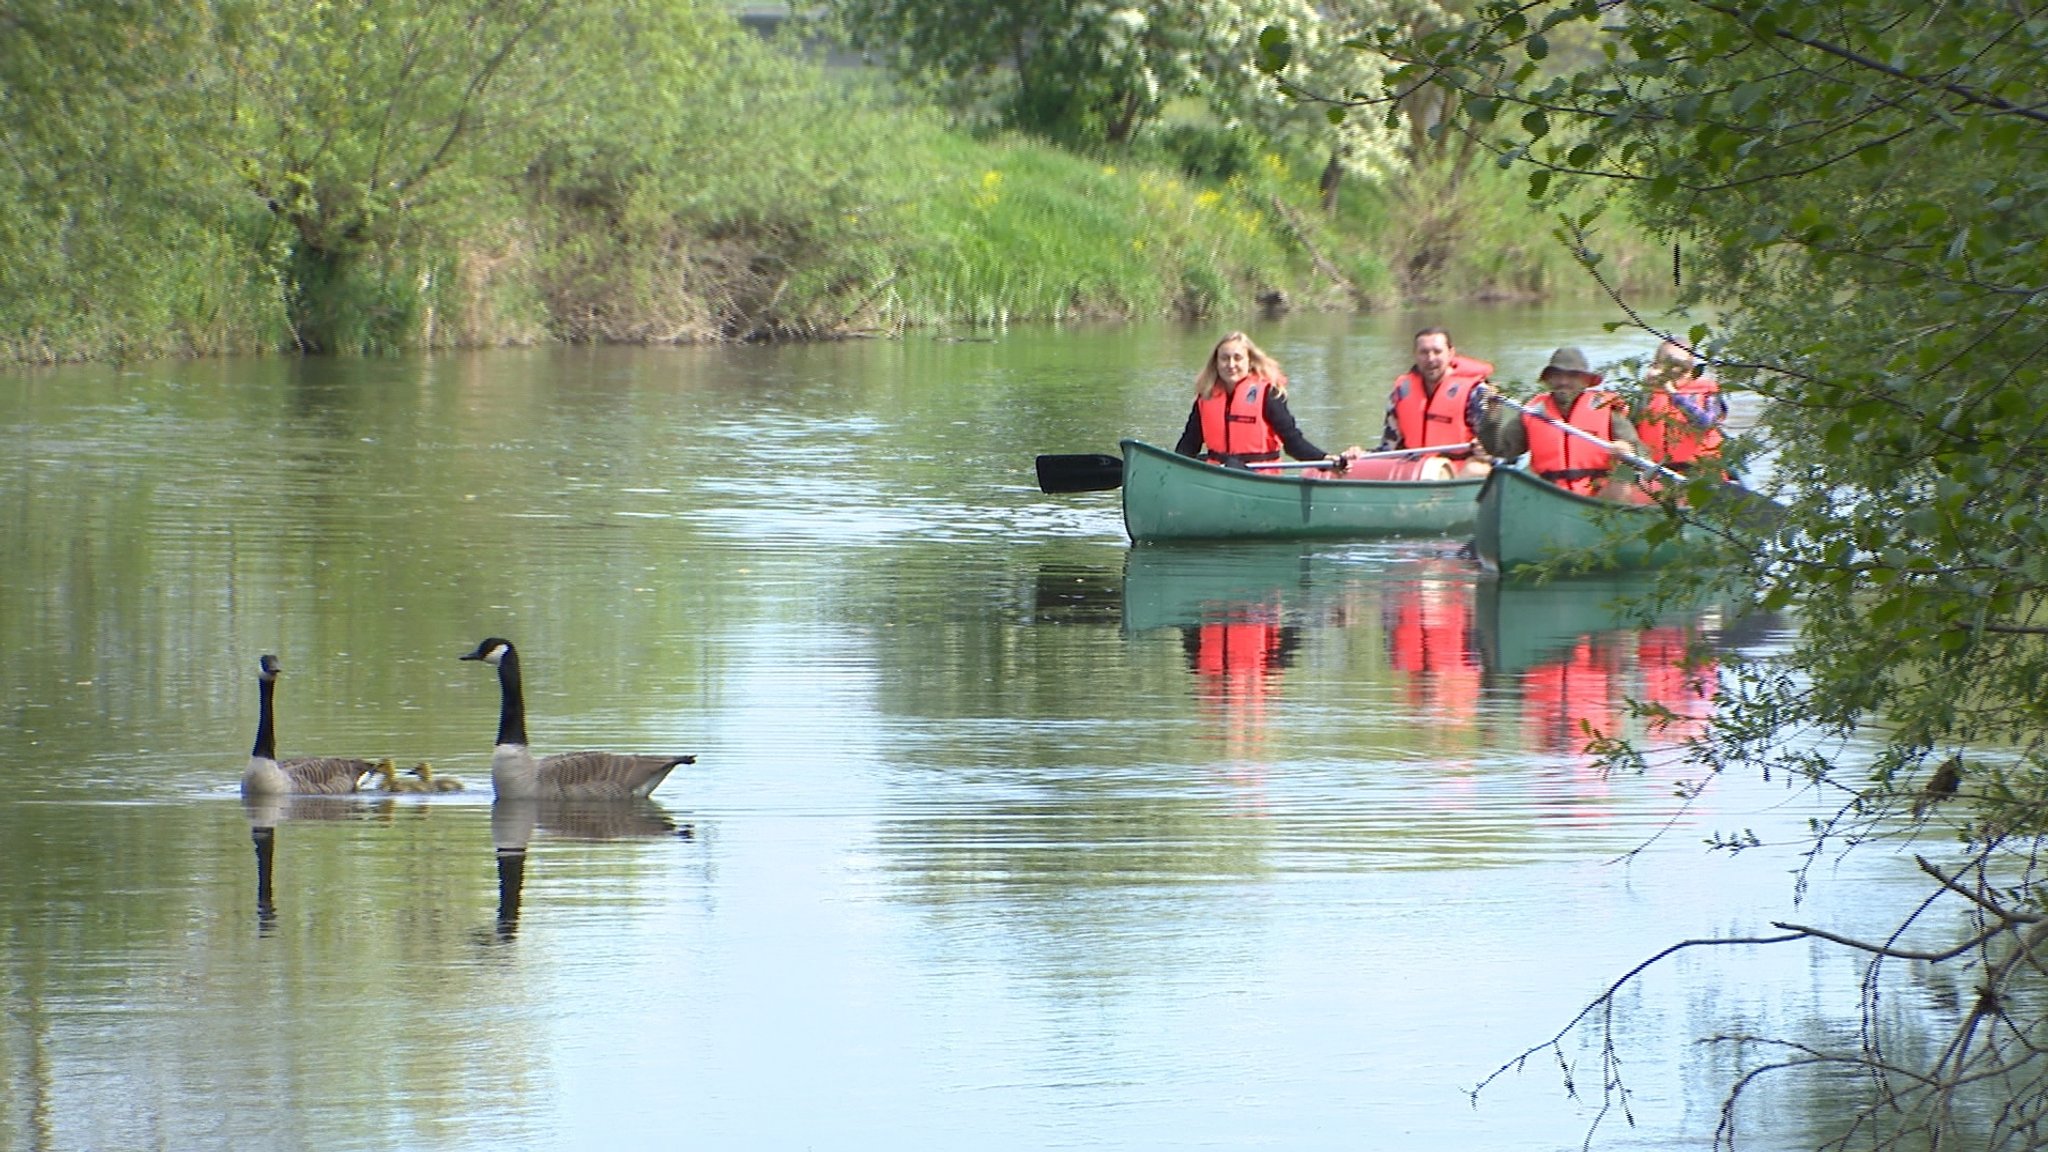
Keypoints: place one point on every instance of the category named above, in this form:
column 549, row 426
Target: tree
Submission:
column 1084, row 72
column 1076, row 71
column 356, row 120
column 1860, row 187
column 111, row 203
column 1251, row 82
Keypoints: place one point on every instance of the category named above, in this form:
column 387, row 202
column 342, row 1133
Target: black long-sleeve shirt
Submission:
column 1277, row 416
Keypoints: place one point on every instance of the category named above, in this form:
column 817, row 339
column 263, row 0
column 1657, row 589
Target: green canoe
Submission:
column 1525, row 520
column 1168, row 496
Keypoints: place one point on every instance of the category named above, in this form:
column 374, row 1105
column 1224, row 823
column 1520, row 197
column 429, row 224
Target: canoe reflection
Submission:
column 1579, row 652
column 1169, row 587
column 514, row 822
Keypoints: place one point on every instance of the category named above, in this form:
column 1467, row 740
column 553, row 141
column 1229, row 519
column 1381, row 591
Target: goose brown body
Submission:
column 516, row 774
column 266, row 775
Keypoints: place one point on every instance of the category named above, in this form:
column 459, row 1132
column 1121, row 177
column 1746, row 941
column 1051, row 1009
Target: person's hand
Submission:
column 1479, row 453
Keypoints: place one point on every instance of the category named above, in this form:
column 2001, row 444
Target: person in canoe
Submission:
column 1575, row 397
column 1240, row 411
column 1681, row 419
column 1440, row 400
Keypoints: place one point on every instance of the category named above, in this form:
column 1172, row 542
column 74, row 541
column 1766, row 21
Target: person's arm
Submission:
column 1191, row 436
column 1622, row 430
column 1390, row 428
column 1704, row 412
column 1501, row 433
column 1282, row 422
column 1475, row 415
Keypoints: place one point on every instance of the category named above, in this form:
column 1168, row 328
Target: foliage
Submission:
column 1858, row 186
column 117, row 232
column 246, row 175
column 1084, row 72
column 360, row 123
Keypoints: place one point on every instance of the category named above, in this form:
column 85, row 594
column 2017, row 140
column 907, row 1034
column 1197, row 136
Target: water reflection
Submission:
column 1433, row 639
column 266, row 813
column 514, row 822
column 512, row 825
column 1544, row 668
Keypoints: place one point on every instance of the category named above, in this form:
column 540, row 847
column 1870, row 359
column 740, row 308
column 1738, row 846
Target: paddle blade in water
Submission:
column 1087, row 472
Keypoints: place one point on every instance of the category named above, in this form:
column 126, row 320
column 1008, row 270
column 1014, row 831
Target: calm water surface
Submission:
column 1002, row 834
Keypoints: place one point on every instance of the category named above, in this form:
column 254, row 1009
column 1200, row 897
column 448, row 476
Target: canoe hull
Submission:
column 1168, row 496
column 1525, row 521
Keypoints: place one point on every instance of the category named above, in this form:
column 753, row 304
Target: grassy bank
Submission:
column 650, row 198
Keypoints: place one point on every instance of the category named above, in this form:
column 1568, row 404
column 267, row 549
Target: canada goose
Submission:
column 393, row 782
column 425, row 772
column 516, row 775
column 268, row 776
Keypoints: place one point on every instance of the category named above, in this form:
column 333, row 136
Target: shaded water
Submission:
column 1002, row 834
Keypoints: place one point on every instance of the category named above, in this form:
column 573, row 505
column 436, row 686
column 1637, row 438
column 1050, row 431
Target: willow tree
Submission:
column 1860, row 190
column 356, row 121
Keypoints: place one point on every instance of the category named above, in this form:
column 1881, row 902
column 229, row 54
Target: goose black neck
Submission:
column 266, row 736
column 512, row 704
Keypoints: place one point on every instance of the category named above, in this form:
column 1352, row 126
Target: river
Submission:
column 1002, row 834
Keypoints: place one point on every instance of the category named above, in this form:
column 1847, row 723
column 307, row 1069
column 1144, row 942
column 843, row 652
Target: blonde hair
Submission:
column 1207, row 381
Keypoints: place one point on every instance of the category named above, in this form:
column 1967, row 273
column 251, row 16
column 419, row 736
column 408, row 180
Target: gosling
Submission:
column 393, row 782
column 433, row 783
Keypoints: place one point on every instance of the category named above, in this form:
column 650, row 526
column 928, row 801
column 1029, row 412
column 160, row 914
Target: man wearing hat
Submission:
column 1568, row 461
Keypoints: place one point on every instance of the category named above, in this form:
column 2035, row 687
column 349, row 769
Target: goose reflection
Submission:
column 265, row 813
column 514, row 822
column 512, row 825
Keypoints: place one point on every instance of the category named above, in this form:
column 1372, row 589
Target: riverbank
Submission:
column 655, row 200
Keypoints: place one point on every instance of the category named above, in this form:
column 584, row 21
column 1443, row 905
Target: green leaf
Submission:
column 1539, row 183
column 1537, row 47
column 1275, row 49
column 1536, row 123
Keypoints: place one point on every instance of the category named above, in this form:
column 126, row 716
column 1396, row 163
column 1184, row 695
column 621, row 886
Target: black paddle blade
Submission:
column 1087, row 472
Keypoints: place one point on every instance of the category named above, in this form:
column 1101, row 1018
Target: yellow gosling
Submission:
column 433, row 783
column 393, row 782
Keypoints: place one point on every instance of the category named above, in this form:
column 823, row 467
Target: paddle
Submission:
column 1641, row 464
column 1753, row 502
column 1098, row 472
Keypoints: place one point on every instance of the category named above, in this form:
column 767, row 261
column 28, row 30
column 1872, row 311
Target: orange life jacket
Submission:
column 1234, row 424
column 1426, row 421
column 1669, row 435
column 1564, row 459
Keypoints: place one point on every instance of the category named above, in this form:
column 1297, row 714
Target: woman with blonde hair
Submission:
column 1240, row 411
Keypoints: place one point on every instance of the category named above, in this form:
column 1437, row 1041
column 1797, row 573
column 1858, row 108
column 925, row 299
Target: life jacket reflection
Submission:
column 1431, row 637
column 1237, row 660
column 1686, row 693
column 1568, row 700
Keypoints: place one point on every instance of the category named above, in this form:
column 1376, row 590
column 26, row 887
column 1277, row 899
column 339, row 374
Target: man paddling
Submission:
column 1574, row 397
column 1439, row 401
